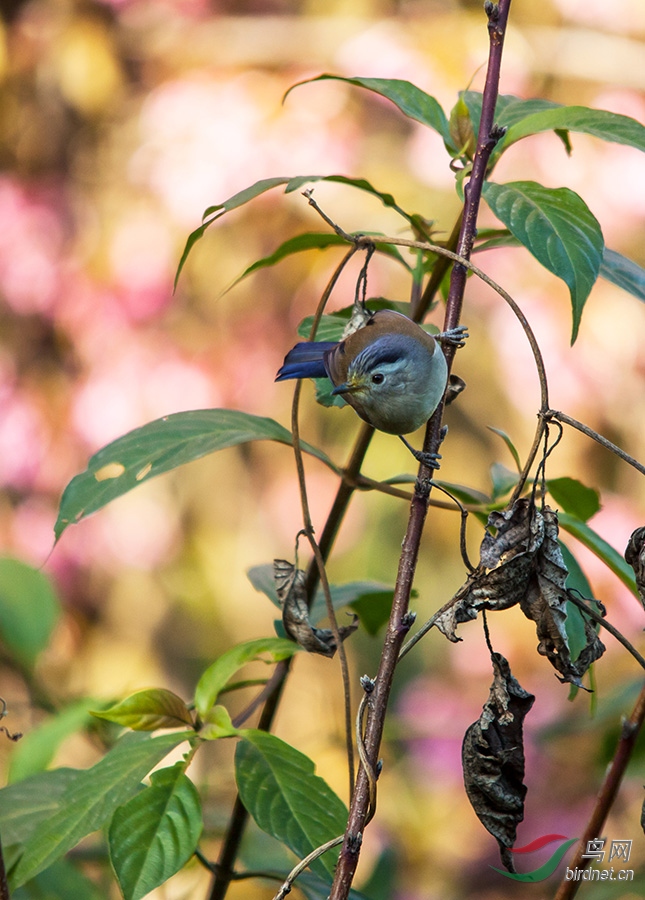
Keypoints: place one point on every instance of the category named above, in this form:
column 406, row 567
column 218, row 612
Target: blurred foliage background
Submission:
column 120, row 122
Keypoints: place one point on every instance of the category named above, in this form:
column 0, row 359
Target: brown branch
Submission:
column 400, row 620
column 608, row 791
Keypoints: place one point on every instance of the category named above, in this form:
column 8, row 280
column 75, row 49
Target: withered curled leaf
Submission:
column 290, row 588
column 635, row 557
column 493, row 758
column 521, row 562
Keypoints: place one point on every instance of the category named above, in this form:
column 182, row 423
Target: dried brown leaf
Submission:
column 521, row 562
column 635, row 556
column 493, row 758
column 290, row 588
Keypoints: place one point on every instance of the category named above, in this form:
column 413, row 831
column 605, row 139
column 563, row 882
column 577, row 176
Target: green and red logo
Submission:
column 549, row 867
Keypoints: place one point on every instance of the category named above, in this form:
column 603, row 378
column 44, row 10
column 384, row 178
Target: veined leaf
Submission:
column 278, row 787
column 411, row 100
column 599, row 123
column 158, row 447
column 599, row 546
column 149, row 710
column 221, row 671
column 27, row 803
column 624, row 273
column 154, row 834
column 91, row 798
column 558, row 228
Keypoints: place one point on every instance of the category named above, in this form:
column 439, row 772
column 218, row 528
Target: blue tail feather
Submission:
column 305, row 360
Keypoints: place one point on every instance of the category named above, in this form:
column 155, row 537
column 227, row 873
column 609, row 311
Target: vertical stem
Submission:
column 399, row 623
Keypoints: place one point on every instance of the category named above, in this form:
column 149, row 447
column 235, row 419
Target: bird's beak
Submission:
column 347, row 387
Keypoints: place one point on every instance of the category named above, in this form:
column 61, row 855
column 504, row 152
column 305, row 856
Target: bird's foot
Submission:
column 454, row 336
column 430, row 460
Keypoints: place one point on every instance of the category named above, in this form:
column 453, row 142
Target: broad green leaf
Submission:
column 509, row 443
column 574, row 497
column 278, row 787
column 158, row 447
column 616, row 268
column 91, row 798
column 27, row 803
column 558, row 228
column 604, row 551
column 154, row 834
column 411, row 100
column 330, row 328
column 214, row 212
column 37, row 748
column 29, row 610
column 148, row 710
column 599, row 123
column 370, row 600
column 220, row 672
column 624, row 273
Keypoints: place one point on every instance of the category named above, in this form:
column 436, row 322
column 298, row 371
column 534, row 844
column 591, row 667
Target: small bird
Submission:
column 391, row 371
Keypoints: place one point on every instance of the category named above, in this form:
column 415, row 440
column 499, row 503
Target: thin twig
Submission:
column 302, row 865
column 590, row 433
column 309, row 532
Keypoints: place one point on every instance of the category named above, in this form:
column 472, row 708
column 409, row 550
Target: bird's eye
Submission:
column 378, row 378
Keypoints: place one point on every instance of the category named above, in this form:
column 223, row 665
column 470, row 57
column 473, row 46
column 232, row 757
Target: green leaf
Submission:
column 575, row 622
column 158, row 447
column 508, row 111
column 61, row 881
column 90, row 799
column 29, row 610
column 221, row 671
column 502, row 479
column 558, row 228
column 599, row 123
column 509, row 443
column 604, row 551
column 154, row 834
column 411, row 100
column 214, row 212
column 574, row 497
column 148, row 710
column 624, row 273
column 278, row 787
column 27, row 803
column 217, row 724
column 37, row 748
column 313, row 241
